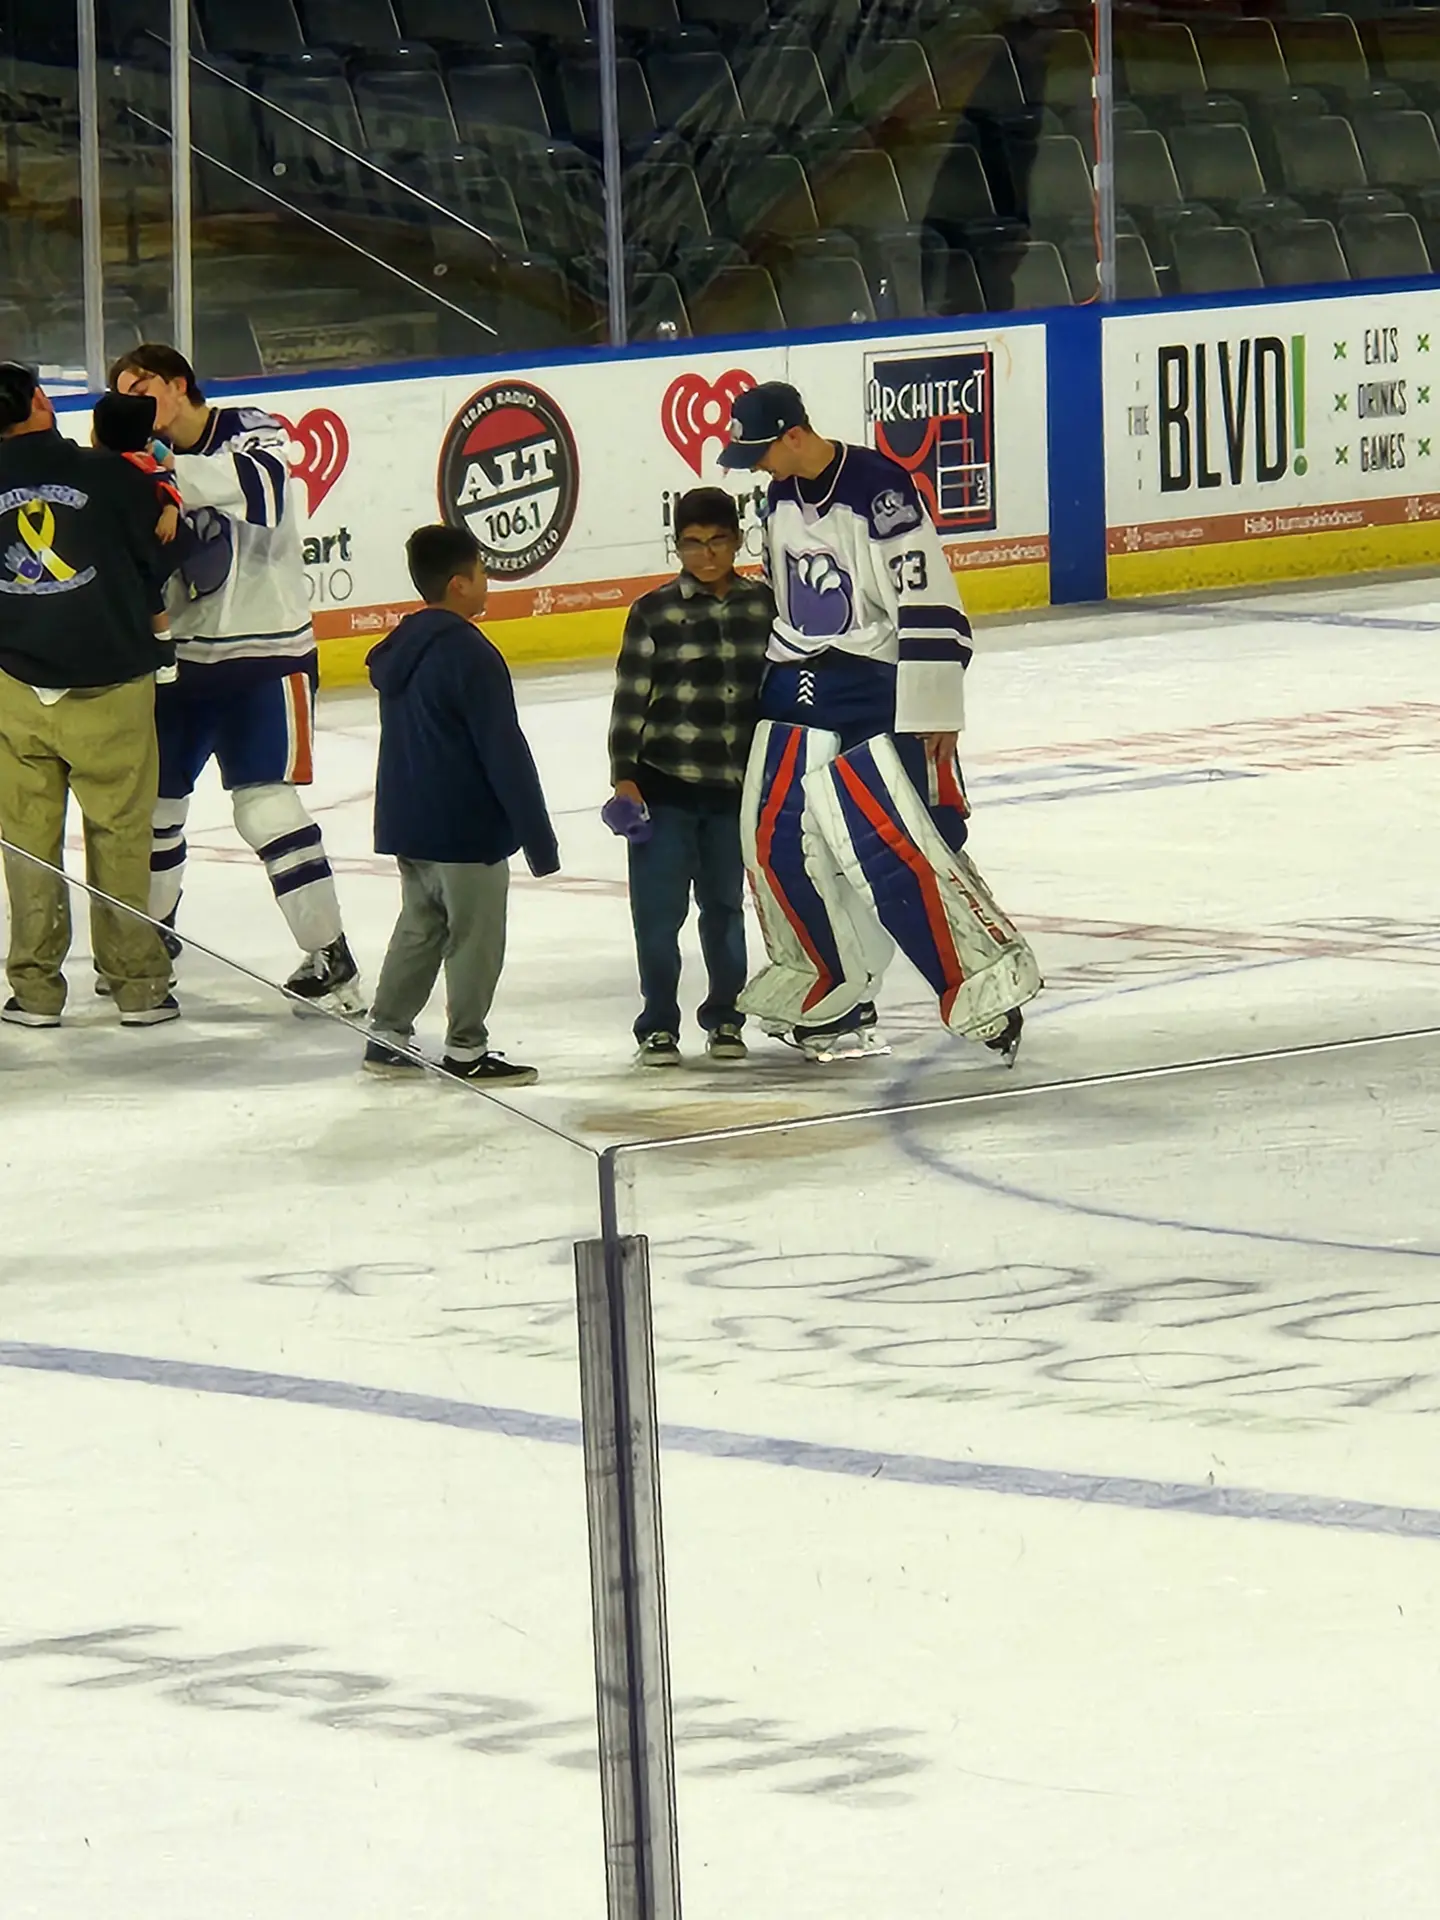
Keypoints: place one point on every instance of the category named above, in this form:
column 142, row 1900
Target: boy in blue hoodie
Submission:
column 456, row 794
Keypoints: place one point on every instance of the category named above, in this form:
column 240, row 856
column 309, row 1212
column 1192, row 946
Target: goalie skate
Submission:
column 855, row 1036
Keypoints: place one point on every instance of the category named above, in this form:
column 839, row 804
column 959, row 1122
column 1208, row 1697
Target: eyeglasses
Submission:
column 718, row 543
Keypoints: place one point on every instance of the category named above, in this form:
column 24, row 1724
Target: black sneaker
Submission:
column 14, row 1015
column 395, row 1062
column 659, row 1050
column 727, row 1042
column 156, row 1016
column 491, row 1070
column 329, row 979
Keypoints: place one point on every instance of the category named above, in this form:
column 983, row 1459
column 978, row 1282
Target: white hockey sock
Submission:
column 167, row 857
column 272, row 820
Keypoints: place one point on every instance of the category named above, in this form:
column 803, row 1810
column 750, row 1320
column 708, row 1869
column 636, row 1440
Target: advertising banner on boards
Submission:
column 568, row 474
column 1264, row 442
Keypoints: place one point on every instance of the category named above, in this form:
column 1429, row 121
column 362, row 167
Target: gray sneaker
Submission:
column 659, row 1050
column 727, row 1042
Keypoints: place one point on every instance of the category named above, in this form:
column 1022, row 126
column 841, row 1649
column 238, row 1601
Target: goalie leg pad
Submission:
column 826, row 953
column 926, row 894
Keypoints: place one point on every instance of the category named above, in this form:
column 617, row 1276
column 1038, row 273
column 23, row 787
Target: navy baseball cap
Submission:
column 758, row 417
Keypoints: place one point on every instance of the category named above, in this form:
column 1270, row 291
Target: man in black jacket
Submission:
column 80, row 572
column 456, row 794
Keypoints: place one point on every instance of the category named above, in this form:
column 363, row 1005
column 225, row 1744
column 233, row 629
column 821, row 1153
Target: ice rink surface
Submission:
column 1051, row 1484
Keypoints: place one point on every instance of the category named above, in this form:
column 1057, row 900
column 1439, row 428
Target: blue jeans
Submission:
column 688, row 850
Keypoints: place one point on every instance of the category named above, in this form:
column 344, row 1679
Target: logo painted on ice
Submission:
column 319, row 451
column 510, row 473
column 819, row 595
column 934, row 415
column 695, row 411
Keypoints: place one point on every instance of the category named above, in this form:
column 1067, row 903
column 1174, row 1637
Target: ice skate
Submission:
column 1006, row 1043
column 329, row 980
column 853, row 1036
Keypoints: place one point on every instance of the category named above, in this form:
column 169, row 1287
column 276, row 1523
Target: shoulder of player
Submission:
column 879, row 491
column 231, row 424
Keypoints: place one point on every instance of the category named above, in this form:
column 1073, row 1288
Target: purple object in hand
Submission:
column 629, row 818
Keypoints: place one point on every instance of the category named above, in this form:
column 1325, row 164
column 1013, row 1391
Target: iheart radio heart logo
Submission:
column 695, row 410
column 319, row 449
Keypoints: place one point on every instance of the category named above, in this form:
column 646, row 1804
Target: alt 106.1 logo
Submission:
column 509, row 472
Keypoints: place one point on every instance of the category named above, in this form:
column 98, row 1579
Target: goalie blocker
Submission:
column 853, row 852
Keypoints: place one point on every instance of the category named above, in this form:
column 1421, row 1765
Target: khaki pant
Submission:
column 99, row 744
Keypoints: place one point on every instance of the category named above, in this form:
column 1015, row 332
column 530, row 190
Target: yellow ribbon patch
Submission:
column 37, row 530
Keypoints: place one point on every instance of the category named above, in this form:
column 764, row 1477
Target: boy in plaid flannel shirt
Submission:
column 687, row 684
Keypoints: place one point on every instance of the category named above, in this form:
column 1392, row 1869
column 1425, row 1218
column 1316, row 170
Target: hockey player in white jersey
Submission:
column 854, row 812
column 247, row 668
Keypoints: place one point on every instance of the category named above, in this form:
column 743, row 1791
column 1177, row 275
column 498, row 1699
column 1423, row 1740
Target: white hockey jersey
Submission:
column 241, row 594
column 862, row 570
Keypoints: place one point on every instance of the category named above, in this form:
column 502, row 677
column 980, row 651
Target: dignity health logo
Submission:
column 36, row 565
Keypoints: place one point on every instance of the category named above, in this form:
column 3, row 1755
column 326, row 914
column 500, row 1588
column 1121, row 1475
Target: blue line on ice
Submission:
column 854, row 1463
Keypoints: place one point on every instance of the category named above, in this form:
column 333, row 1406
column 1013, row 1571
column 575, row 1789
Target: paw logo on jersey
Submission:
column 819, row 595
column 319, row 451
column 510, row 473
column 205, row 546
column 37, row 565
column 696, row 411
column 934, row 414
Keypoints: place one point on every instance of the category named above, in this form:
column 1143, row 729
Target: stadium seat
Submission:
column 663, row 207
column 895, row 265
column 1400, row 149
column 656, row 309
column 1408, row 48
column 1022, row 276
column 1058, row 190
column 1159, row 61
column 769, row 202
column 737, row 300
column 730, row 20
column 1319, row 159
column 448, row 23
column 1060, row 72
column 579, row 87
column 824, row 293
column 323, row 106
column 889, row 80
column 252, row 26
column 646, row 17
column 502, row 100
column 399, row 109
column 1135, row 277
column 697, row 262
column 944, row 186
column 859, row 192
column 559, row 21
column 1241, row 57
column 1215, row 260
column 694, row 93
column 1325, row 52
column 1300, row 253
column 976, row 75
column 1216, row 163
column 783, row 88
column 350, row 23
column 952, row 286
column 1384, row 246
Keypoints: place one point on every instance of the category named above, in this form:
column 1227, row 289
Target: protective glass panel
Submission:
column 1040, row 1477
column 296, row 1585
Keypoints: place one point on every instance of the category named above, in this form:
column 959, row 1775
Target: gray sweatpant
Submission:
column 450, row 912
